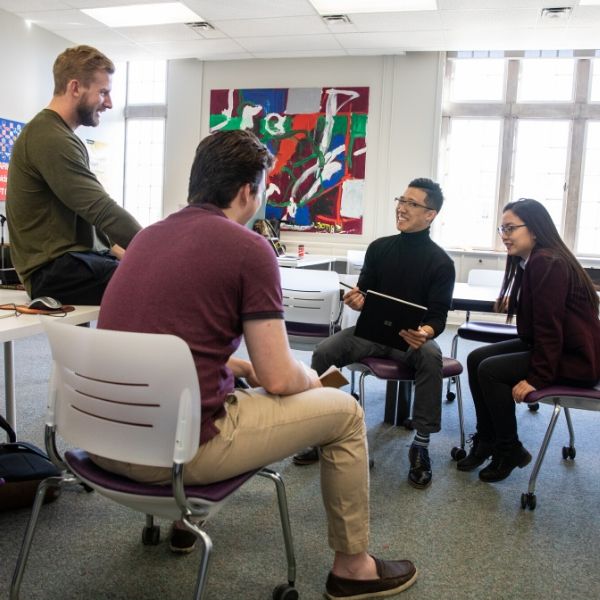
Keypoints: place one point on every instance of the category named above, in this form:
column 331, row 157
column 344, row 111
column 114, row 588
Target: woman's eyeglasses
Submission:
column 508, row 229
column 402, row 201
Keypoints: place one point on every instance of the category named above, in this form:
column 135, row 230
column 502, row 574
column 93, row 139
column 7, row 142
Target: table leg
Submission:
column 397, row 402
column 9, row 385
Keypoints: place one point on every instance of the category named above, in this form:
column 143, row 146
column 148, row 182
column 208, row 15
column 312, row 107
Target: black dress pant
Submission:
column 75, row 277
column 493, row 371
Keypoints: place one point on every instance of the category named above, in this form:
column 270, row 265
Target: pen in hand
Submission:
column 351, row 287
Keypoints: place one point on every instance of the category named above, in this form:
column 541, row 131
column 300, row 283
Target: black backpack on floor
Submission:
column 22, row 467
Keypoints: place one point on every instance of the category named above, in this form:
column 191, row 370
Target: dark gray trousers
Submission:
column 344, row 348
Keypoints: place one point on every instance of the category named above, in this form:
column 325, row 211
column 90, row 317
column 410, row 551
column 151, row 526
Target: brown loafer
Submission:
column 395, row 576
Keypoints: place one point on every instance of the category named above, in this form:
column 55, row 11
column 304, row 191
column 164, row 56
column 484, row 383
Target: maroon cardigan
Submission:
column 558, row 321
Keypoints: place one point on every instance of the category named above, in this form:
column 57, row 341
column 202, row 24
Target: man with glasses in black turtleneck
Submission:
column 408, row 265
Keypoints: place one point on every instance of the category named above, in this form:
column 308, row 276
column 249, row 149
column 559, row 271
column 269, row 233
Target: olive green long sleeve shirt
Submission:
column 55, row 204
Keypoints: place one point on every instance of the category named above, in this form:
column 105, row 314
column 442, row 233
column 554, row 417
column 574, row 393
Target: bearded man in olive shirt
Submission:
column 66, row 232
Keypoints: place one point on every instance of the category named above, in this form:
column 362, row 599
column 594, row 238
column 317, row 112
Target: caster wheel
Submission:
column 528, row 501
column 151, row 535
column 408, row 424
column 450, row 396
column 371, row 463
column 533, row 407
column 458, row 453
column 285, row 592
column 87, row 488
column 569, row 452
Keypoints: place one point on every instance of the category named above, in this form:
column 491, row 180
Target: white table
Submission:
column 308, row 260
column 14, row 328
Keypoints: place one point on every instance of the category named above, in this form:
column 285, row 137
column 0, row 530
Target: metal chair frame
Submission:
column 561, row 398
column 451, row 368
column 135, row 397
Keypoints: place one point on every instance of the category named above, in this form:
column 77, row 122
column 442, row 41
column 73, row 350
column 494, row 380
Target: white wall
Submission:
column 26, row 87
column 26, row 82
column 401, row 137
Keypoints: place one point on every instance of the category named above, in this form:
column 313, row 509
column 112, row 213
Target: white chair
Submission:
column 312, row 305
column 354, row 261
column 134, row 397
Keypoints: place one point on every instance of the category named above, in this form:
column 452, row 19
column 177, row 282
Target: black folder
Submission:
column 382, row 317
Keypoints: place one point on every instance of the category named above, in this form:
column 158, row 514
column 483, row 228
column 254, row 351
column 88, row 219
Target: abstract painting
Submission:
column 318, row 138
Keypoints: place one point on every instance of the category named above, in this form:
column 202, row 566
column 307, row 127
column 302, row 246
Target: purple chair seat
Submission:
column 558, row 391
column 80, row 464
column 307, row 329
column 481, row 331
column 386, row 368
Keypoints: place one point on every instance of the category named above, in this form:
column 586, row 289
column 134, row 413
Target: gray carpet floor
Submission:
column 469, row 540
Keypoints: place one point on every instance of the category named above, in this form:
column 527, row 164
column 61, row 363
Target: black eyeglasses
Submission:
column 508, row 229
column 402, row 201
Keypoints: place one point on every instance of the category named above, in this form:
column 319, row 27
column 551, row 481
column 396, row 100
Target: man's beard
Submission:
column 86, row 115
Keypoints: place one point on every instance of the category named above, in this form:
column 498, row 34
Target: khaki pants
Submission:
column 260, row 428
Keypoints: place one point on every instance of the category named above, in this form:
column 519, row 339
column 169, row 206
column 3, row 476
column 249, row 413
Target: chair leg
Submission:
column 361, row 389
column 49, row 483
column 529, row 499
column 569, row 451
column 453, row 351
column 284, row 515
column 459, row 452
column 205, row 556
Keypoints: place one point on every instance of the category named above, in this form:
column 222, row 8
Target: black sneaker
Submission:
column 419, row 475
column 182, row 541
column 504, row 461
column 479, row 453
column 307, row 457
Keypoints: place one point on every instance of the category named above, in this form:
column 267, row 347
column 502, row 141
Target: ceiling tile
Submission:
column 60, row 19
column 400, row 40
column 303, row 25
column 406, row 21
column 292, row 43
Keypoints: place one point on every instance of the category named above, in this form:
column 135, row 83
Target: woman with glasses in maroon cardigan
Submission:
column 556, row 306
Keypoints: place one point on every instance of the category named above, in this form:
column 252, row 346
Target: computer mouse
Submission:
column 45, row 303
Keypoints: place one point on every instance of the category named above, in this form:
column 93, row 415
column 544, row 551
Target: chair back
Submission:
column 485, row 277
column 354, row 261
column 127, row 396
column 310, row 296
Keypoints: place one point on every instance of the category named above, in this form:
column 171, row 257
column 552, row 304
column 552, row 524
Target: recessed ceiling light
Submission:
column 143, row 14
column 329, row 7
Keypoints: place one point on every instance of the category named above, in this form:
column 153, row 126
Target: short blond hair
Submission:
column 81, row 63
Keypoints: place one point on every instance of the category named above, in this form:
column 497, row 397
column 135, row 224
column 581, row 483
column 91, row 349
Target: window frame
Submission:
column 578, row 112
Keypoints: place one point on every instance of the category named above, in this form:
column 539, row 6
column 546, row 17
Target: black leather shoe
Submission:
column 479, row 453
column 504, row 461
column 419, row 475
column 307, row 457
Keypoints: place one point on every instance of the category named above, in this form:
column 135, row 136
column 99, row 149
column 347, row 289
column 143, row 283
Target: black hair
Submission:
column 224, row 162
column 540, row 224
column 435, row 197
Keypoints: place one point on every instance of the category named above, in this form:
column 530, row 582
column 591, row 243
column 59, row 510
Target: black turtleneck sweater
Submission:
column 413, row 267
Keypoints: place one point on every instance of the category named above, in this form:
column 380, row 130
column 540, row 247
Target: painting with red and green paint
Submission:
column 318, row 138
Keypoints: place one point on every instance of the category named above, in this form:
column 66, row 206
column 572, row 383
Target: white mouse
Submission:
column 45, row 303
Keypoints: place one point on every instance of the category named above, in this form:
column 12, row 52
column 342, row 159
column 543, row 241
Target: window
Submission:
column 470, row 177
column 588, row 231
column 145, row 118
column 144, row 169
column 540, row 164
column 546, row 79
column 539, row 139
column 478, row 79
